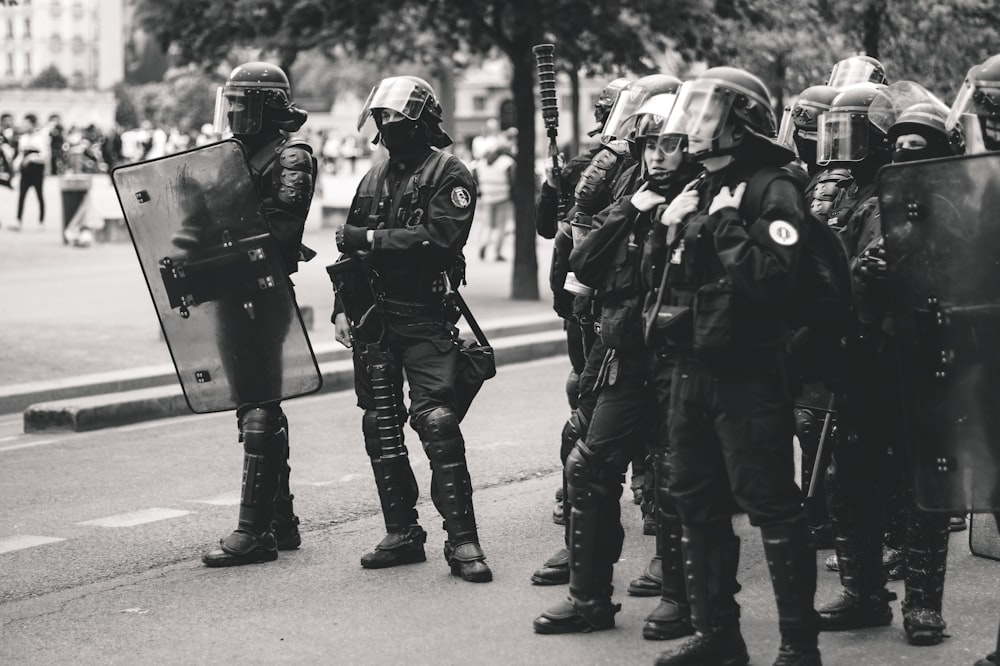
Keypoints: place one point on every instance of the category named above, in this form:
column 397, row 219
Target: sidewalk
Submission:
column 69, row 313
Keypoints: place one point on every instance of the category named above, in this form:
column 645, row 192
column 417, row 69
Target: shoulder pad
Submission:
column 604, row 159
column 299, row 143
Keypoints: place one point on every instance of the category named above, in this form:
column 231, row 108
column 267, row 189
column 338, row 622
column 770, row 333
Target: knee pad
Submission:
column 570, row 436
column 806, row 422
column 437, row 424
column 580, row 479
column 261, row 427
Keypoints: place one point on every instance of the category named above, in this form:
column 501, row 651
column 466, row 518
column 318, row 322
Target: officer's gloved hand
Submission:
column 727, row 198
column 872, row 265
column 683, row 205
column 645, row 199
column 352, row 239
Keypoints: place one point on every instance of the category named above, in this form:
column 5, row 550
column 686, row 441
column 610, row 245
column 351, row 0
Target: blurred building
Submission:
column 80, row 38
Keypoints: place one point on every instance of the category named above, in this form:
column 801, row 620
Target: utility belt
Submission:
column 391, row 306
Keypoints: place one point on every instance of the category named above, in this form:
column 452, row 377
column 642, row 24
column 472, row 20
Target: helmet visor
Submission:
column 843, row 137
column 700, row 111
column 850, row 71
column 238, row 111
column 396, row 94
column 650, row 118
column 622, row 116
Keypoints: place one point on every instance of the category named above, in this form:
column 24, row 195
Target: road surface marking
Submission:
column 23, row 541
column 136, row 518
column 225, row 499
column 26, row 445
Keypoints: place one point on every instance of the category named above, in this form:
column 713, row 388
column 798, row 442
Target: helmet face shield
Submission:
column 786, row 131
column 239, row 111
column 843, row 137
column 399, row 94
column 622, row 116
column 701, row 111
column 854, row 70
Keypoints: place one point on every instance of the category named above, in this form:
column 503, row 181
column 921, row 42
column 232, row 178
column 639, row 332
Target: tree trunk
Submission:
column 524, row 282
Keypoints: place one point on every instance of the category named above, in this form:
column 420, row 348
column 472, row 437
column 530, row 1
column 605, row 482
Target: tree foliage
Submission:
column 183, row 99
column 50, row 77
column 789, row 45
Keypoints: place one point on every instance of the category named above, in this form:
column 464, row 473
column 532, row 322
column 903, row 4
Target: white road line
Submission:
column 136, row 518
column 27, row 445
column 225, row 499
column 23, row 541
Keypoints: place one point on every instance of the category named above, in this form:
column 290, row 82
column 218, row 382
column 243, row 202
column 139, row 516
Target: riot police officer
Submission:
column 255, row 104
column 734, row 248
column 872, row 454
column 409, row 221
column 551, row 222
column 979, row 100
column 593, row 194
column 623, row 417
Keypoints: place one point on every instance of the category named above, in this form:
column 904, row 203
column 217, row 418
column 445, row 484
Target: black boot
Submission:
column 403, row 547
column 650, row 581
column 711, row 559
column 588, row 607
column 926, row 559
column 252, row 541
column 451, row 492
column 285, row 524
column 791, row 559
column 672, row 617
column 555, row 570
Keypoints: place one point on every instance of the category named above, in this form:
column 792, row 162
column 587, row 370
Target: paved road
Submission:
column 128, row 511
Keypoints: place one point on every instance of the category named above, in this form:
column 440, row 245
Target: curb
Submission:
column 18, row 397
column 92, row 412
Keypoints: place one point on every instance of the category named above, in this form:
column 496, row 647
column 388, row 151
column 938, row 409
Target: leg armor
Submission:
column 672, row 617
column 285, row 524
column 573, row 389
column 397, row 487
column 864, row 601
column 451, row 492
column 596, row 534
column 589, row 606
column 791, row 558
column 711, row 558
column 394, row 480
column 926, row 551
column 262, row 431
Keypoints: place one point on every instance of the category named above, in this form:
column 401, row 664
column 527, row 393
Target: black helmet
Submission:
column 622, row 116
column 857, row 69
column 977, row 106
column 928, row 121
column 414, row 99
column 606, row 100
column 800, row 122
column 256, row 94
column 718, row 98
column 845, row 132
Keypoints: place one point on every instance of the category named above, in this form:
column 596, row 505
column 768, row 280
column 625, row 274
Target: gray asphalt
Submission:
column 124, row 595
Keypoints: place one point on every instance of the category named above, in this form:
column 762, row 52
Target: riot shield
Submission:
column 218, row 283
column 942, row 241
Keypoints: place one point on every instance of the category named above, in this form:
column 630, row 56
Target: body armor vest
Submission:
column 379, row 206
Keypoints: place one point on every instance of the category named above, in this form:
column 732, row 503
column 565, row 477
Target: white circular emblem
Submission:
column 460, row 197
column 783, row 233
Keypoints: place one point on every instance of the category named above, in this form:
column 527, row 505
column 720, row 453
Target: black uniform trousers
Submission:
column 623, row 423
column 731, row 428
column 425, row 352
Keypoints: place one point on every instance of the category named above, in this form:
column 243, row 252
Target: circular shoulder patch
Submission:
column 460, row 197
column 783, row 233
